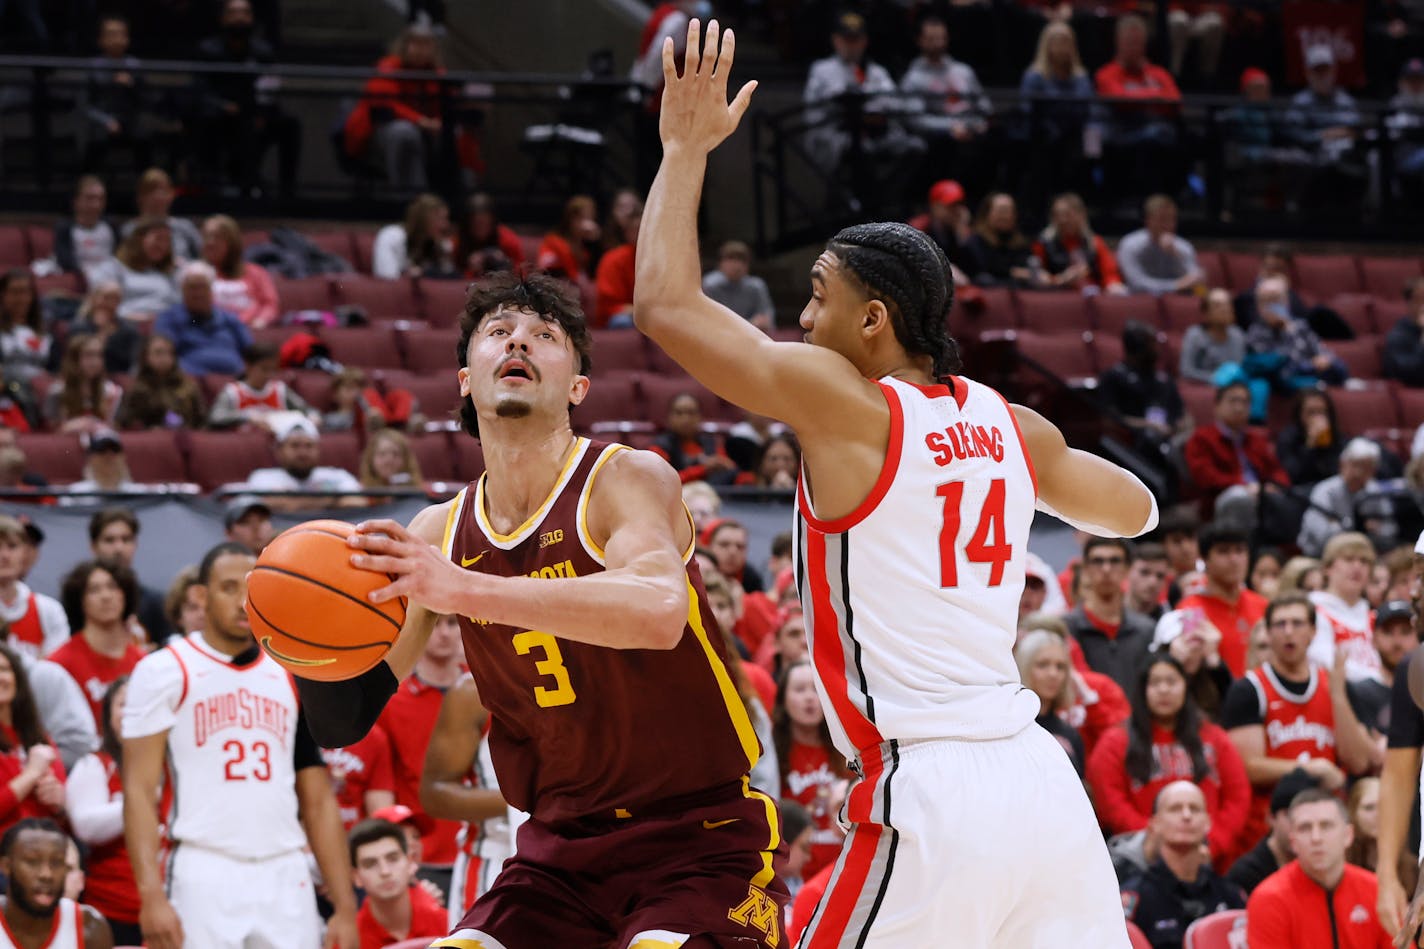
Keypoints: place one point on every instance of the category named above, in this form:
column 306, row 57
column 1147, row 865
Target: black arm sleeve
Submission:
column 1242, row 705
column 305, row 753
column 341, row 713
column 1406, row 721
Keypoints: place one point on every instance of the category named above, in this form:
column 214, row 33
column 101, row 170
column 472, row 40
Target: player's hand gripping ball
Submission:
column 310, row 610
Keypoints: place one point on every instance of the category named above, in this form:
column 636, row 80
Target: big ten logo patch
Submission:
column 760, row 912
column 550, row 538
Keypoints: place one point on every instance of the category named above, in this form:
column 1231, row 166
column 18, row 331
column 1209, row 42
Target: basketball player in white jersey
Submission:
column 458, row 783
column 249, row 789
column 35, row 914
column 968, row 827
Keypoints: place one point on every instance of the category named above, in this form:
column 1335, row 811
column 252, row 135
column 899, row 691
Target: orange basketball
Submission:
column 309, row 608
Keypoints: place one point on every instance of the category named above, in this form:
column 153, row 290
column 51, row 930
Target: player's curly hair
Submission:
column 904, row 269
column 554, row 301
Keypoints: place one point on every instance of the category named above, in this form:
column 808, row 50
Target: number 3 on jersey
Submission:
column 986, row 545
column 552, row 665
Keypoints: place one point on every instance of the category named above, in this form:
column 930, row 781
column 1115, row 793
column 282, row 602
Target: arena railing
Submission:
column 801, row 197
column 543, row 137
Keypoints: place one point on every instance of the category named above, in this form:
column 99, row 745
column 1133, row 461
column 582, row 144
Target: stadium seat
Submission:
column 312, row 385
column 1212, row 268
column 62, row 284
column 219, row 458
column 1240, row 270
column 58, row 458
column 661, row 363
column 255, row 236
column 1385, row 277
column 368, row 347
column 1322, row 276
column 14, row 249
column 1169, row 347
column 431, row 350
column 41, row 241
column 613, row 396
column 363, row 242
column 1113, row 313
column 154, row 456
column 436, row 456
column 1357, row 310
column 307, row 293
column 1360, row 409
column 1224, row 930
column 381, row 299
column 439, row 395
column 1180, row 311
column 1106, row 349
column 443, row 301
column 212, row 384
column 469, row 456
column 274, row 335
column 1046, row 312
column 1199, row 399
column 659, row 391
column 1063, row 354
column 341, row 450
column 997, row 309
column 1137, row 937
column 1411, row 407
column 1361, row 355
column 619, row 350
column 334, row 242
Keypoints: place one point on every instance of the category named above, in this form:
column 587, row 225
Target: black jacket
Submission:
column 1163, row 906
column 1404, row 352
column 1117, row 658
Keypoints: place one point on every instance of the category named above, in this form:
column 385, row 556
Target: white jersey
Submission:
column 484, row 845
column 1347, row 626
column 911, row 600
column 68, row 932
column 231, row 744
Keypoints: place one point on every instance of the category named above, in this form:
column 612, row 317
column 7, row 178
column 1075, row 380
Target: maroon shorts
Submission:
column 701, row 867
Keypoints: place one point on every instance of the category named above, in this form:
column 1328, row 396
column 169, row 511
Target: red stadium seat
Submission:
column 429, row 351
column 307, row 293
column 619, row 350
column 61, row 284
column 341, row 450
column 1361, row 355
column 1356, row 309
column 1322, row 276
column 1046, row 312
column 368, row 347
column 41, row 241
column 443, row 301
column 1063, row 354
column 381, row 299
column 1240, row 270
column 275, row 335
column 1135, row 936
column 219, row 458
column 334, row 242
column 996, row 309
column 211, row 385
column 1113, row 312
column 1180, row 311
column 436, row 455
column 1169, row 345
column 1199, row 399
column 14, row 248
column 154, row 456
column 1224, row 930
column 251, row 238
column 1212, row 268
column 659, row 391
column 1385, row 277
column 1107, row 350
column 1360, row 409
column 612, row 397
column 59, row 459
column 364, row 243
column 439, row 395
column 312, row 385
column 1411, row 407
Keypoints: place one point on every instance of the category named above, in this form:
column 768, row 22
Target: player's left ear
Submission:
column 464, row 376
column 578, row 389
column 876, row 318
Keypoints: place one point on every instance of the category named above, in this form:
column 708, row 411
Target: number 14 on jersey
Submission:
column 986, row 545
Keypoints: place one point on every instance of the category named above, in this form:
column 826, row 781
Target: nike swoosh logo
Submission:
column 471, row 561
column 292, row 660
column 714, row 824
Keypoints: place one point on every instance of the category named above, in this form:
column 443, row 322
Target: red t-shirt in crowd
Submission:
column 804, row 906
column 12, row 762
column 93, row 670
column 614, row 280
column 428, row 919
column 1233, row 620
column 356, row 769
column 809, row 781
column 408, row 721
column 1124, row 805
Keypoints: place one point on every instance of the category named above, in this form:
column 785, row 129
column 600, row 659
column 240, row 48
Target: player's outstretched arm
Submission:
column 321, row 817
column 716, row 346
column 143, row 773
column 1089, row 492
column 342, row 713
column 639, row 602
column 451, row 754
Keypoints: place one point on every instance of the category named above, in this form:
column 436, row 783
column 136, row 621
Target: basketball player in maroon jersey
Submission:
column 615, row 723
column 917, row 490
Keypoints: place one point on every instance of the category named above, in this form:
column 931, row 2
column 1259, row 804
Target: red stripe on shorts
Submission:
column 829, row 656
column 841, row 898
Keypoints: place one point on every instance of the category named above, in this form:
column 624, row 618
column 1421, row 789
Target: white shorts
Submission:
column 226, row 903
column 974, row 844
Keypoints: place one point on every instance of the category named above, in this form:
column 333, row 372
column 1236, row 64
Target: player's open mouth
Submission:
column 516, row 369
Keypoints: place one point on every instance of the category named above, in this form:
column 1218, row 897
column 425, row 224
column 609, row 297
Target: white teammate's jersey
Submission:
column 231, row 742
column 911, row 600
column 68, row 932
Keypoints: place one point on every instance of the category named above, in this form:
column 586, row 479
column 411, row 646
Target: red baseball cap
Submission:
column 396, row 814
column 1253, row 75
column 947, row 191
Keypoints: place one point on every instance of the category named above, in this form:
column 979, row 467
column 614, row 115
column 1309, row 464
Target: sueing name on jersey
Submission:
column 963, row 440
column 239, row 709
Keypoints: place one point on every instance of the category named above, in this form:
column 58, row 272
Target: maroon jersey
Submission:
column 587, row 731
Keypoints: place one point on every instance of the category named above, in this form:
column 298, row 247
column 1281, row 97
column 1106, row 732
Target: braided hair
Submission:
column 904, row 269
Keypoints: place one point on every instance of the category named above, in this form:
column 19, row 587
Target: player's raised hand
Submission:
column 695, row 112
column 418, row 569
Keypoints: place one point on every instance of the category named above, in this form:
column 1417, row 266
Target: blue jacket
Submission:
column 213, row 345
